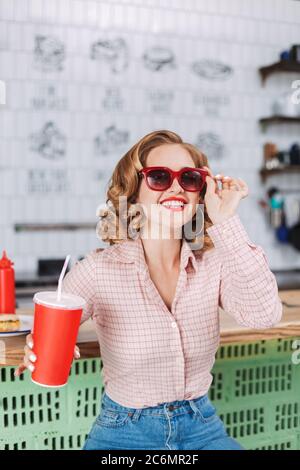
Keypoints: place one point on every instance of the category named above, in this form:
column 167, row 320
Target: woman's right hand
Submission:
column 30, row 358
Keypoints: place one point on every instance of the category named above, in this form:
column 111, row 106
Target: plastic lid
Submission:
column 67, row 301
column 5, row 262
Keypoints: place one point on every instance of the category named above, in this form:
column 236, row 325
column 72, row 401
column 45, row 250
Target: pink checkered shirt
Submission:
column 151, row 355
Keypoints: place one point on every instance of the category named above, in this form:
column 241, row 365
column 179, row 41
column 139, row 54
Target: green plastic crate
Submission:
column 32, row 417
column 256, row 390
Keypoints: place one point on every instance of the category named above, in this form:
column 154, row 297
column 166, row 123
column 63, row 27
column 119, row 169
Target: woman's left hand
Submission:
column 221, row 203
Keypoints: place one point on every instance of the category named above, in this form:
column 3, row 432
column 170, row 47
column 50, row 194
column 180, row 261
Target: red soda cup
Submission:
column 55, row 331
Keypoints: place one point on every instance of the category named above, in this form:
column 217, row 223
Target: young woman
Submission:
column 154, row 299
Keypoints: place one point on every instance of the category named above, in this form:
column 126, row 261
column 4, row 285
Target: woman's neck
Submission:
column 162, row 253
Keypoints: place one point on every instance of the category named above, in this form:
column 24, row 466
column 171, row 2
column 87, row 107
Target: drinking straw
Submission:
column 62, row 276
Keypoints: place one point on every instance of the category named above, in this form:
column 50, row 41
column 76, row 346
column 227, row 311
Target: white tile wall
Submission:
column 244, row 34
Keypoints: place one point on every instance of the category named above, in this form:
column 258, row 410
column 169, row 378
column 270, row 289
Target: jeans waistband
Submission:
column 177, row 406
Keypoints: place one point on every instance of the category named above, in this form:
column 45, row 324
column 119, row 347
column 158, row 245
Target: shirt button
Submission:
column 171, row 407
column 174, row 324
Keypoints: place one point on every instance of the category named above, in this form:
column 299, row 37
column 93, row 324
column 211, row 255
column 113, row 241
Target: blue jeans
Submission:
column 177, row 425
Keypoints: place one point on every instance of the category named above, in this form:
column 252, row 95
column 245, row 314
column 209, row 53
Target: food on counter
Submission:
column 9, row 322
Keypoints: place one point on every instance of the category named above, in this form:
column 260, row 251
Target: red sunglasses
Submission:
column 160, row 178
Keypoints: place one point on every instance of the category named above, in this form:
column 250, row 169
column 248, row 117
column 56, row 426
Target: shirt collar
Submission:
column 132, row 251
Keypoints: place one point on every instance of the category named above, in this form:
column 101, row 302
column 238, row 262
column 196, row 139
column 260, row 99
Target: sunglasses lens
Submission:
column 158, row 179
column 192, row 180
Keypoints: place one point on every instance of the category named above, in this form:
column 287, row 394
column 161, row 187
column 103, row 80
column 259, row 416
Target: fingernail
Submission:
column 31, row 367
column 30, row 344
column 16, row 373
column 32, row 357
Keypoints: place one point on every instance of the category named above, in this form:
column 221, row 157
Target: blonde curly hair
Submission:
column 113, row 226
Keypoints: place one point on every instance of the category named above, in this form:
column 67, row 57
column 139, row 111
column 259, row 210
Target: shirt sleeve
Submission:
column 248, row 288
column 80, row 280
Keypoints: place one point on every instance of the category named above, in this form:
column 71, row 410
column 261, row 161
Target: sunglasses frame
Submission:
column 174, row 174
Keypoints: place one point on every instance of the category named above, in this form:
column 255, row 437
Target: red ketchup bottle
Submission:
column 7, row 285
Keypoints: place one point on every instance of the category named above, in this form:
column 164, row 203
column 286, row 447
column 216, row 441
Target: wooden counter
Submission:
column 12, row 349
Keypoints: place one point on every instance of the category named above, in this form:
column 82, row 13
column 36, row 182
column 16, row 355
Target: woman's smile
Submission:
column 175, row 204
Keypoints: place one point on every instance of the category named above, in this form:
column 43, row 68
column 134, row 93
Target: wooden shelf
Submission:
column 277, row 119
column 45, row 227
column 265, row 172
column 282, row 66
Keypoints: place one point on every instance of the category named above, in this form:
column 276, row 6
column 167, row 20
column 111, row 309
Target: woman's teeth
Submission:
column 174, row 205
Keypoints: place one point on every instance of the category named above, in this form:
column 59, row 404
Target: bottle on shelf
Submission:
column 7, row 285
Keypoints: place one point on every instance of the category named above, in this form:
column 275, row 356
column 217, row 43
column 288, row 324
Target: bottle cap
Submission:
column 5, row 262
